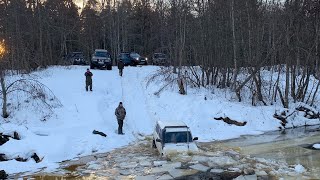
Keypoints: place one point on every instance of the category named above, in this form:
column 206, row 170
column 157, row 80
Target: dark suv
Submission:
column 101, row 59
column 132, row 59
column 76, row 58
column 159, row 59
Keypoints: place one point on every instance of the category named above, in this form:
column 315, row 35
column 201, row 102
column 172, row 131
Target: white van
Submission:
column 173, row 137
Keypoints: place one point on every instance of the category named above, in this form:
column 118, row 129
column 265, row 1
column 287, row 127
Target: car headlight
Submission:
column 146, row 59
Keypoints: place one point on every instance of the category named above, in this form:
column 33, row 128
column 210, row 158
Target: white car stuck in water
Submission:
column 170, row 137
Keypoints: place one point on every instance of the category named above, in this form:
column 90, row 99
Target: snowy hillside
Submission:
column 67, row 133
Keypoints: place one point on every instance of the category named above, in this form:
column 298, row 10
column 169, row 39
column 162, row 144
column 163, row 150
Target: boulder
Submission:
column 3, row 139
column 20, row 159
column 36, row 157
column 3, row 174
column 16, row 136
column 3, row 157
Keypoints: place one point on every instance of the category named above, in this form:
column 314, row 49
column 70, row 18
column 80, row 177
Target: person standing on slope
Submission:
column 120, row 67
column 120, row 114
column 88, row 75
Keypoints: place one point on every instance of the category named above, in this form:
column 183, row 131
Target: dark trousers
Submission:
column 120, row 123
column 88, row 85
column 120, row 72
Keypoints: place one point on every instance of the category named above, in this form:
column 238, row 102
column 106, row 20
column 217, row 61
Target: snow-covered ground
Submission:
column 67, row 133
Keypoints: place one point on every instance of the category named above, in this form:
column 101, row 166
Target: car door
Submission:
column 158, row 135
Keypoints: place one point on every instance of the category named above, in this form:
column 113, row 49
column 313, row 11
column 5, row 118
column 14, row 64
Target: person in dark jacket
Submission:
column 120, row 67
column 88, row 75
column 120, row 114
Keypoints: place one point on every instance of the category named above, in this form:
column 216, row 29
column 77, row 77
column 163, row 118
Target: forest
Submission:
column 228, row 44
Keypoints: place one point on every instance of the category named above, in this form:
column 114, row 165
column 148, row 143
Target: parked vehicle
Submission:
column 101, row 59
column 159, row 59
column 173, row 137
column 132, row 59
column 76, row 58
column 143, row 61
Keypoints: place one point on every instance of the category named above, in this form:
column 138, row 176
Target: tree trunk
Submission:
column 235, row 71
column 181, row 87
column 4, row 97
column 286, row 91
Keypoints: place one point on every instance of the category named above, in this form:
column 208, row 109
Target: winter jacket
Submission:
column 88, row 75
column 120, row 112
column 120, row 65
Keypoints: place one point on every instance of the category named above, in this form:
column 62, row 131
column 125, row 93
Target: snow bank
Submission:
column 67, row 132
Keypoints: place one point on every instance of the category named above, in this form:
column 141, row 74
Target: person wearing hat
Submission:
column 120, row 67
column 88, row 75
column 120, row 114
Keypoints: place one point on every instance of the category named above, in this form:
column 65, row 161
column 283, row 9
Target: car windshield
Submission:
column 134, row 55
column 101, row 54
column 178, row 137
column 160, row 56
column 124, row 55
column 78, row 55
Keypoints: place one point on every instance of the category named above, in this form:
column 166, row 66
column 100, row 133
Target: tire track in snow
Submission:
column 138, row 118
column 127, row 119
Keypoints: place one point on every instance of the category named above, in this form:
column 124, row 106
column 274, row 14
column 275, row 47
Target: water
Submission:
column 291, row 146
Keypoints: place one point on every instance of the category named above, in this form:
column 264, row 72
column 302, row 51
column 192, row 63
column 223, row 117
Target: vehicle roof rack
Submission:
column 175, row 126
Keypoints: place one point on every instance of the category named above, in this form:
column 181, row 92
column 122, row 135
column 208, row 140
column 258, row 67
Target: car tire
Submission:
column 109, row 67
column 91, row 66
column 154, row 144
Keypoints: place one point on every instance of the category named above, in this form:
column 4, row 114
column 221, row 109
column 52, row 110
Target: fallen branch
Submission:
column 283, row 117
column 310, row 114
column 230, row 121
column 100, row 133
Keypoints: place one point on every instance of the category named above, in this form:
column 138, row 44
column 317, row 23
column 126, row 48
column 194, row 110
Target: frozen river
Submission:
column 271, row 155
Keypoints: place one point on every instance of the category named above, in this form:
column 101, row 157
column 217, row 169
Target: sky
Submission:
column 79, row 3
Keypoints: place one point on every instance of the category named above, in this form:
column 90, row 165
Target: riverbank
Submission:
column 65, row 132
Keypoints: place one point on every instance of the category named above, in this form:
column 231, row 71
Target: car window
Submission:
column 124, row 56
column 102, row 54
column 78, row 55
column 134, row 55
column 178, row 137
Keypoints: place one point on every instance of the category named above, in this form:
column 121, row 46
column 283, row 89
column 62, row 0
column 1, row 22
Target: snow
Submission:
column 316, row 146
column 67, row 132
